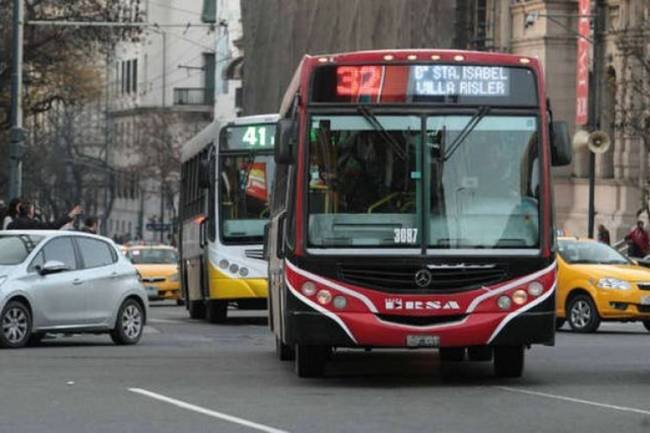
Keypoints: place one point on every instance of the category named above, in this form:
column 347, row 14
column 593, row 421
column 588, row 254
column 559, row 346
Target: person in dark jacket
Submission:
column 26, row 220
column 603, row 234
column 11, row 213
column 90, row 225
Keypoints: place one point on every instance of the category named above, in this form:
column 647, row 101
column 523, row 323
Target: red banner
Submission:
column 256, row 186
column 582, row 64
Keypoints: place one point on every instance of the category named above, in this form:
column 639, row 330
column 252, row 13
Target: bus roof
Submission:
column 401, row 56
column 211, row 132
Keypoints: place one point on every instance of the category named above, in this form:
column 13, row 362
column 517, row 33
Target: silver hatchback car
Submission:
column 67, row 282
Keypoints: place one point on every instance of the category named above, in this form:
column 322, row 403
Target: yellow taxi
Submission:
column 596, row 283
column 158, row 268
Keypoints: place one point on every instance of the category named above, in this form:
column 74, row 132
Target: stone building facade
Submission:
column 278, row 32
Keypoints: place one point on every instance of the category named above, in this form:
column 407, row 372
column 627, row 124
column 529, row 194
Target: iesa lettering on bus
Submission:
column 442, row 80
column 401, row 304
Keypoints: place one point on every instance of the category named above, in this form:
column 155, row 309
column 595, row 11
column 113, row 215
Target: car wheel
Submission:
column 284, row 352
column 196, row 309
column 16, row 325
column 216, row 311
column 646, row 324
column 311, row 360
column 130, row 323
column 582, row 314
column 508, row 361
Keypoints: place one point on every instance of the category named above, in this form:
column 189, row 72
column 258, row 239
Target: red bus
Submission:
column 413, row 207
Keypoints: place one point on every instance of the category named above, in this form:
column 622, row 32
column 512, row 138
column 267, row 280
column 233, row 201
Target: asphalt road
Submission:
column 189, row 376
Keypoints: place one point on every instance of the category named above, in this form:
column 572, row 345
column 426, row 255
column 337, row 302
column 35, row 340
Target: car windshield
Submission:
column 375, row 180
column 573, row 251
column 14, row 249
column 152, row 256
column 244, row 196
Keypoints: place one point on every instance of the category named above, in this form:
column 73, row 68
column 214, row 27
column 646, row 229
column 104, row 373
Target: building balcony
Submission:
column 193, row 96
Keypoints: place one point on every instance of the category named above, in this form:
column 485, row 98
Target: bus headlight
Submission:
column 243, row 271
column 324, row 297
column 339, row 302
column 504, row 302
column 308, row 288
column 613, row 283
column 535, row 288
column 520, row 297
column 223, row 264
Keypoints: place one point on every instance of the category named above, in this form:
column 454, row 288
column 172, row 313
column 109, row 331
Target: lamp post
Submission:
column 17, row 133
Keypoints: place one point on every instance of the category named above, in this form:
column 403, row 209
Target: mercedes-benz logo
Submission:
column 423, row 278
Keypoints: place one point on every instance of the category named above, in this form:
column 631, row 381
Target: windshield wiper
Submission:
column 467, row 129
column 372, row 120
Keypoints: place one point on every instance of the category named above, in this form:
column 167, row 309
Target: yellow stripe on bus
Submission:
column 223, row 286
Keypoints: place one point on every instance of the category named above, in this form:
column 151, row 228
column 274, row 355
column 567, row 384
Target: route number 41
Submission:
column 405, row 236
column 257, row 137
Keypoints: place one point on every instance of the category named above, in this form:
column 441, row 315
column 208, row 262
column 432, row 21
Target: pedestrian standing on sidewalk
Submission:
column 26, row 220
column 12, row 213
column 603, row 234
column 638, row 241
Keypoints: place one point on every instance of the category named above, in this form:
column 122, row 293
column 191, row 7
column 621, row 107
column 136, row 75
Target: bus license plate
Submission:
column 645, row 300
column 422, row 341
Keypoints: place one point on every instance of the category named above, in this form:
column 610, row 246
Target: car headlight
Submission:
column 174, row 277
column 2, row 279
column 613, row 283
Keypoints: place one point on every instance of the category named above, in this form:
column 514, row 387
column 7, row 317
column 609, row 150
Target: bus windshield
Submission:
column 245, row 187
column 439, row 181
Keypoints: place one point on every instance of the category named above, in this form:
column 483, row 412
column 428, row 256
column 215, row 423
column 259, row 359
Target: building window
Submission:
column 134, row 79
column 209, row 14
column 128, row 76
column 122, row 77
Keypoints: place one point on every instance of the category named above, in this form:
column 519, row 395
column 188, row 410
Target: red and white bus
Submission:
column 413, row 207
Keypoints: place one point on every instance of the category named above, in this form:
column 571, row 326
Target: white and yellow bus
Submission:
column 226, row 177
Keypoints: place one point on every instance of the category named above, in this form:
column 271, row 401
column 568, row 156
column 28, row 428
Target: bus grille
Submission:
column 401, row 279
column 421, row 320
column 255, row 254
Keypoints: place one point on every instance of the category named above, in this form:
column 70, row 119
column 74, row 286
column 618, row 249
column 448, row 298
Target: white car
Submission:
column 67, row 282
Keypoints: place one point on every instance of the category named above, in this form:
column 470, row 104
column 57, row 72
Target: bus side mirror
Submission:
column 265, row 245
column 561, row 151
column 204, row 172
column 285, row 138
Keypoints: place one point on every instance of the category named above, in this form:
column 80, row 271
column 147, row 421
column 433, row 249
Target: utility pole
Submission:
column 594, row 114
column 17, row 133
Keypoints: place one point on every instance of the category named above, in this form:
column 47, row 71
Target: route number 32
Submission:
column 405, row 236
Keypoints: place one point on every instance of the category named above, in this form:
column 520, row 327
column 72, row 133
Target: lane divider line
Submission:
column 576, row 400
column 208, row 412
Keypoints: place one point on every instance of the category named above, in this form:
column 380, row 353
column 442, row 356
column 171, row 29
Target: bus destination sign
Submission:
column 451, row 80
column 249, row 137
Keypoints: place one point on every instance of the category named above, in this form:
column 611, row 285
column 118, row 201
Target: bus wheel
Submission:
column 196, row 309
column 284, row 352
column 508, row 361
column 216, row 311
column 646, row 324
column 311, row 360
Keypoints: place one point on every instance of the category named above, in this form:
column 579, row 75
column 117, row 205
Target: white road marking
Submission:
column 576, row 400
column 208, row 412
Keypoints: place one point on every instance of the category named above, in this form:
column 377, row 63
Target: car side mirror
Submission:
column 561, row 151
column 265, row 245
column 52, row 267
column 285, row 140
